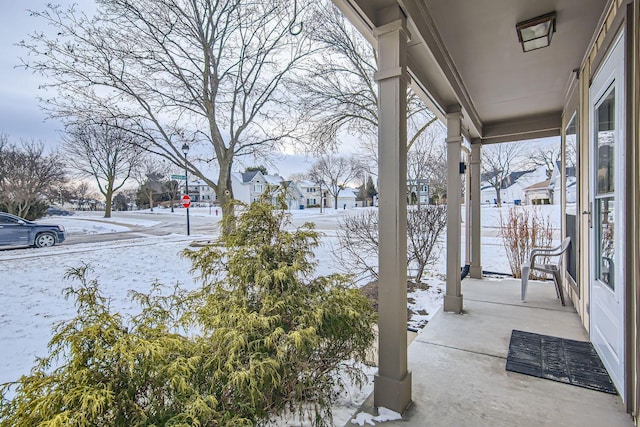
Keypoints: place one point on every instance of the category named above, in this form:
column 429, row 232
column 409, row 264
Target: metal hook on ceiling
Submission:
column 296, row 27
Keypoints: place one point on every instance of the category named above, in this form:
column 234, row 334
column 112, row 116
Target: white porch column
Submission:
column 476, row 265
column 392, row 388
column 453, row 295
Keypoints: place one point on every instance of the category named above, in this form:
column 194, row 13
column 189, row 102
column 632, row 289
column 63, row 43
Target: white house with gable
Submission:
column 249, row 186
column 311, row 193
column 199, row 191
column 346, row 199
column 513, row 187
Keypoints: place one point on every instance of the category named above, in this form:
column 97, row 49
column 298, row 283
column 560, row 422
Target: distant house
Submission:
column 249, row 186
column 513, row 186
column 294, row 197
column 538, row 193
column 199, row 192
column 346, row 199
column 418, row 191
column 311, row 193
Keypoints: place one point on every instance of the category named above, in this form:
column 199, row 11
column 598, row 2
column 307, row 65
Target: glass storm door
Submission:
column 607, row 201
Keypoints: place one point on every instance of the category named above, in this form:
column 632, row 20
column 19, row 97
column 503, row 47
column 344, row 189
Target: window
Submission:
column 571, row 194
column 258, row 188
column 7, row 220
column 604, row 205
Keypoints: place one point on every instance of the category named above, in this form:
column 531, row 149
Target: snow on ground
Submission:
column 384, row 414
column 31, row 290
column 31, row 280
column 425, row 303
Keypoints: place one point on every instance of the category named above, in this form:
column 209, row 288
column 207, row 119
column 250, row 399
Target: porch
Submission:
column 458, row 365
column 470, row 64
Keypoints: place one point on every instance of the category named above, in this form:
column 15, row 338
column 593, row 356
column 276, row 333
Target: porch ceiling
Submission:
column 466, row 52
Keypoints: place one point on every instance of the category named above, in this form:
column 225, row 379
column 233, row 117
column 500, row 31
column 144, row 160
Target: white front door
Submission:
column 607, row 205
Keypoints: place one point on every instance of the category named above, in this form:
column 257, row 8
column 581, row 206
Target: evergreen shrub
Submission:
column 261, row 336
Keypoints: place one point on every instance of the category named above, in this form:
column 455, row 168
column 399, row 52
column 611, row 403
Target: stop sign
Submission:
column 186, row 201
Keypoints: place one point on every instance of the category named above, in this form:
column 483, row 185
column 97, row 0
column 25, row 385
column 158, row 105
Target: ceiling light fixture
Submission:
column 536, row 33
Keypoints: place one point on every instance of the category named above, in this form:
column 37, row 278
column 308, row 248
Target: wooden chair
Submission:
column 553, row 266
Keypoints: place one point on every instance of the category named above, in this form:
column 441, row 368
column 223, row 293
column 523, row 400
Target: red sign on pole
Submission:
column 186, row 201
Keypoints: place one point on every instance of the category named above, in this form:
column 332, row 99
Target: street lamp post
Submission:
column 185, row 150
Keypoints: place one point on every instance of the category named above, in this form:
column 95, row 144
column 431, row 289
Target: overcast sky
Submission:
column 20, row 114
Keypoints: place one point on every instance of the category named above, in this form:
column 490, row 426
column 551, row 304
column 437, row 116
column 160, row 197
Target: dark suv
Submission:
column 16, row 231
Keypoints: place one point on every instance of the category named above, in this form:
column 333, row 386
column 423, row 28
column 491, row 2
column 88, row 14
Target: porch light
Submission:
column 536, row 33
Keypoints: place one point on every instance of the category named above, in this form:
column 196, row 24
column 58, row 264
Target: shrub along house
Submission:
column 508, row 70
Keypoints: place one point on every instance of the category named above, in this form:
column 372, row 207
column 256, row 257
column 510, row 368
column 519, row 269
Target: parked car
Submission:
column 52, row 210
column 16, row 231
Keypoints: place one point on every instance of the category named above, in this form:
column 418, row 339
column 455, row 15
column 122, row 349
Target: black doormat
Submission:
column 567, row 361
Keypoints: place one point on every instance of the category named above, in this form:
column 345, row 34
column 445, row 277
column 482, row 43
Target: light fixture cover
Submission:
column 536, row 33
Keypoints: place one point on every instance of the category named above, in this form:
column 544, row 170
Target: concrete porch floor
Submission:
column 458, row 365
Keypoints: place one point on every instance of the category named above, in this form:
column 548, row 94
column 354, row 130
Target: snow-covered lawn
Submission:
column 32, row 284
column 31, row 280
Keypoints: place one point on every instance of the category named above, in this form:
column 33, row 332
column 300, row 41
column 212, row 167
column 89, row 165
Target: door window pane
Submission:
column 605, row 139
column 604, row 240
column 604, row 197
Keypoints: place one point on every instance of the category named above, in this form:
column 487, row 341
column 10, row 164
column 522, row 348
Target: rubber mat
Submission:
column 558, row 359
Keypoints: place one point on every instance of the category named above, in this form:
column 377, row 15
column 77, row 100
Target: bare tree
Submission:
column 151, row 177
column 427, row 165
column 334, row 173
column 497, row 161
column 204, row 73
column 298, row 176
column 28, row 177
column 424, row 234
column 104, row 152
column 339, row 91
column 547, row 156
column 358, row 239
column 173, row 190
column 83, row 196
column 64, row 193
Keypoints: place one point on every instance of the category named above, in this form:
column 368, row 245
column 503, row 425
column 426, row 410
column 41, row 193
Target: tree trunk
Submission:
column 335, row 200
column 498, row 197
column 225, row 196
column 22, row 209
column 108, row 199
column 419, row 273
